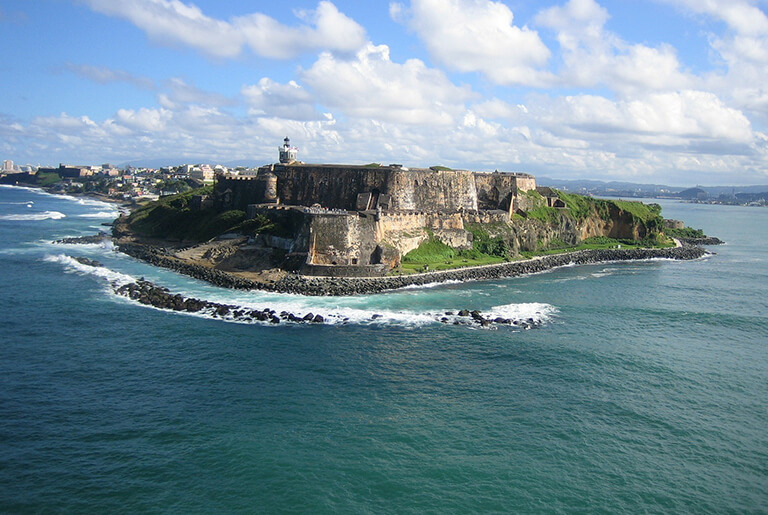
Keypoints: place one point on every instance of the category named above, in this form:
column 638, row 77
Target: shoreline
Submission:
column 340, row 286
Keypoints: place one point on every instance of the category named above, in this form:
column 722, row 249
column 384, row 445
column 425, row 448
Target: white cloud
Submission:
column 743, row 47
column 741, row 15
column 176, row 22
column 272, row 99
column 152, row 120
column 373, row 86
column 593, row 56
column 477, row 36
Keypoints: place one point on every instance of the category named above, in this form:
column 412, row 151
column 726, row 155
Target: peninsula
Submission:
column 321, row 229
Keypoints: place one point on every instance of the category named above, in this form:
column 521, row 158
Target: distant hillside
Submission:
column 693, row 194
column 630, row 189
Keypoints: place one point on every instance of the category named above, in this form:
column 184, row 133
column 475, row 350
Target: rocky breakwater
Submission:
column 84, row 240
column 148, row 293
column 330, row 286
column 707, row 240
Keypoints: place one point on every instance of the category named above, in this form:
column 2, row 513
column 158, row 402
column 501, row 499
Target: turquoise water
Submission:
column 645, row 389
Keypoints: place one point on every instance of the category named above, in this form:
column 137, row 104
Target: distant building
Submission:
column 68, row 171
column 288, row 153
column 8, row 166
column 202, row 173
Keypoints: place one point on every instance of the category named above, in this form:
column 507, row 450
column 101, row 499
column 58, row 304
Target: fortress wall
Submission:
column 330, row 186
column 495, row 190
column 485, row 217
column 500, row 190
column 337, row 187
column 244, row 191
column 407, row 230
column 428, row 190
column 342, row 239
column 525, row 182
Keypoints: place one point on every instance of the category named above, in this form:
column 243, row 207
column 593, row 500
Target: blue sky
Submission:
column 665, row 91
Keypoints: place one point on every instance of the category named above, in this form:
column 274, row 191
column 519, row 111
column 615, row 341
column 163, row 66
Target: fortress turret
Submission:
column 288, row 153
column 270, row 188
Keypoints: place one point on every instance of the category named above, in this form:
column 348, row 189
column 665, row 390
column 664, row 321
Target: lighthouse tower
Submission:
column 288, row 153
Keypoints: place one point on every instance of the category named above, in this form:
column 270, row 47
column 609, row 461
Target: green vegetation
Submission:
column 174, row 186
column 433, row 254
column 171, row 218
column 47, row 179
column 579, row 206
column 485, row 245
column 431, row 251
column 440, row 168
column 685, row 232
column 533, row 194
column 372, row 165
column 544, row 214
column 600, row 242
column 638, row 210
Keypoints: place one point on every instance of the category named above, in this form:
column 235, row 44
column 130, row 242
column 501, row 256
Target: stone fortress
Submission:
column 348, row 220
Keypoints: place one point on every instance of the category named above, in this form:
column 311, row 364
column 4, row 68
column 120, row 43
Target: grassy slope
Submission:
column 171, row 218
column 488, row 250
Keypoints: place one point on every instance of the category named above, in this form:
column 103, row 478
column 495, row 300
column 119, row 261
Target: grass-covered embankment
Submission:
column 172, row 218
column 491, row 244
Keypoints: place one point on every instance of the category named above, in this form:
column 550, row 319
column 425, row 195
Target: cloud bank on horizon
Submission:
column 670, row 91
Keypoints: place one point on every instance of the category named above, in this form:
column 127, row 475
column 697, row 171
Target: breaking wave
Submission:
column 100, row 214
column 332, row 311
column 115, row 279
column 45, row 215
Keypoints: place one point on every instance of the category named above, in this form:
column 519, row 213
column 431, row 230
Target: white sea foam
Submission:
column 100, row 214
column 335, row 311
column 45, row 215
column 540, row 313
column 429, row 285
column 70, row 264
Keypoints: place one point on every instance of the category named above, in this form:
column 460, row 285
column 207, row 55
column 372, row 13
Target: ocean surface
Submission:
column 644, row 389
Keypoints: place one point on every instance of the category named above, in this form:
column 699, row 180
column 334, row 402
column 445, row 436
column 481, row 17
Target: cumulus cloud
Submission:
column 272, row 99
column 593, row 56
column 176, row 22
column 144, row 119
column 676, row 118
column 743, row 48
column 477, row 36
column 373, row 86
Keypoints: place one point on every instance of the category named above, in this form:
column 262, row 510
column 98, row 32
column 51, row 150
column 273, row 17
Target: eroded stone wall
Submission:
column 338, row 187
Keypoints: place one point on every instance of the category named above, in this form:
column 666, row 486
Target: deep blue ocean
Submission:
column 644, row 389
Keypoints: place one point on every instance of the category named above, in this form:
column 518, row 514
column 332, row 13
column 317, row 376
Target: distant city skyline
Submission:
column 661, row 91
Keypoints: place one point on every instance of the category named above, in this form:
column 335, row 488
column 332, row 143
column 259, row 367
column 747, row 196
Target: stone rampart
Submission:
column 391, row 187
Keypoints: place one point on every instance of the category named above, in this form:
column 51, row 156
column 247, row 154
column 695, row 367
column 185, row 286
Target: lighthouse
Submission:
column 288, row 153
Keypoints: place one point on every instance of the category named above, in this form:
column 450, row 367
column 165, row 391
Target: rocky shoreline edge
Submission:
column 148, row 293
column 336, row 286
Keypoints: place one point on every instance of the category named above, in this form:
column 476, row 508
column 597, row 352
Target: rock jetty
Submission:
column 147, row 293
column 707, row 240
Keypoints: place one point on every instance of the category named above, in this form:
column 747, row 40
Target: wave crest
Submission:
column 45, row 215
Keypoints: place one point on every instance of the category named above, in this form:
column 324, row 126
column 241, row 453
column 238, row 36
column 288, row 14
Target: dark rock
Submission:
column 88, row 262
